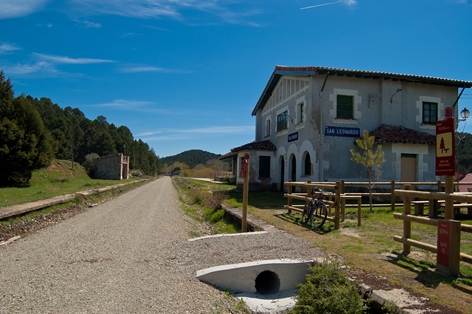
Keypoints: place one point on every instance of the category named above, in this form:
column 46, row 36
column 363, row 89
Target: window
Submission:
column 307, row 171
column 345, row 107
column 430, row 113
column 267, row 133
column 282, row 121
column 264, row 166
column 301, row 111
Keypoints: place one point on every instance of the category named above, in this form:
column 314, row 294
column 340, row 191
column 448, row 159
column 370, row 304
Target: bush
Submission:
column 328, row 290
column 136, row 173
column 90, row 164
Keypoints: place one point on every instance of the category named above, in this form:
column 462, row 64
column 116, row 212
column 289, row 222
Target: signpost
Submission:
column 448, row 254
column 245, row 174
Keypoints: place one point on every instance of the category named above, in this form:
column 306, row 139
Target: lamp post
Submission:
column 465, row 115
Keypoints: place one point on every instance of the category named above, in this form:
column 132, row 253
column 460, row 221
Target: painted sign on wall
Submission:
column 293, row 137
column 341, row 131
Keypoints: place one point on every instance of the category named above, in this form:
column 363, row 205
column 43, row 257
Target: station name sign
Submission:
column 293, row 137
column 340, row 131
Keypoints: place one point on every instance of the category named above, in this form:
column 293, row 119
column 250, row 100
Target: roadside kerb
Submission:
column 14, row 210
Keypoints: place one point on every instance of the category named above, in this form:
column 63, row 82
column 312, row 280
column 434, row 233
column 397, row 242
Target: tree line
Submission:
column 34, row 131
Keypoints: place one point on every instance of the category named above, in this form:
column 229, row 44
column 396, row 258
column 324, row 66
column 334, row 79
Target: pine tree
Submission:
column 25, row 144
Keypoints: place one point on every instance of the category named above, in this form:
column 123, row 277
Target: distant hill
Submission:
column 190, row 157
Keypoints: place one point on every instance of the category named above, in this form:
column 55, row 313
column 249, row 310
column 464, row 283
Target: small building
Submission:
column 466, row 183
column 112, row 167
column 308, row 118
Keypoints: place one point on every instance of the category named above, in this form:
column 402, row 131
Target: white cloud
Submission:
column 142, row 69
column 167, row 8
column 5, row 47
column 67, row 60
column 185, row 134
column 147, row 107
column 348, row 2
column 23, row 69
column 125, row 104
column 47, row 64
column 17, row 8
column 90, row 24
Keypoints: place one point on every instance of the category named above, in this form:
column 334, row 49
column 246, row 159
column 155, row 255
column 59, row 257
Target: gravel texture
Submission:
column 129, row 255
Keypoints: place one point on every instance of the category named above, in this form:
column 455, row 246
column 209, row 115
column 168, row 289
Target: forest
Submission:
column 35, row 131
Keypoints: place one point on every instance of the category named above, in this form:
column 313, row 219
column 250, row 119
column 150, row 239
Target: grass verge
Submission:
column 370, row 247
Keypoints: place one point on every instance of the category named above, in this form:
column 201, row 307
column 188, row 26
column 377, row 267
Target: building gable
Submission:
column 286, row 89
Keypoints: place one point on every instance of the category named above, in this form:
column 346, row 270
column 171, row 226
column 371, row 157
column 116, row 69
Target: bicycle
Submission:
column 315, row 210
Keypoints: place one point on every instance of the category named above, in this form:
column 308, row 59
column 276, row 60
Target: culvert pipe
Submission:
column 267, row 282
column 259, row 277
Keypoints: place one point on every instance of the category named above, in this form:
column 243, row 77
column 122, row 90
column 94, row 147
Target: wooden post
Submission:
column 341, row 188
column 337, row 200
column 449, row 208
column 289, row 199
column 392, row 196
column 439, row 186
column 359, row 211
column 245, row 198
column 448, row 253
column 406, row 222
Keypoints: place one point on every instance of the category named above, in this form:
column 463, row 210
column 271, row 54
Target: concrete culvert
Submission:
column 267, row 282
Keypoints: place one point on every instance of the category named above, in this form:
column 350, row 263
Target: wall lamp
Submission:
column 464, row 114
column 398, row 90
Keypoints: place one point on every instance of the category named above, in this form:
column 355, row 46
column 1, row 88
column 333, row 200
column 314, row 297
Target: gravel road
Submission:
column 129, row 255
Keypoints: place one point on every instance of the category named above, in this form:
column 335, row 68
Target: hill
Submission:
column 190, row 157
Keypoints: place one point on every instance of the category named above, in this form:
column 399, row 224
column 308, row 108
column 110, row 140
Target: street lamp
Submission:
column 464, row 114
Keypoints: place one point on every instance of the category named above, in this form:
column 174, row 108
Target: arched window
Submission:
column 307, row 167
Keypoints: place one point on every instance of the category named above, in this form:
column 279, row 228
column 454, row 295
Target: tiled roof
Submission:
column 399, row 134
column 264, row 145
column 295, row 71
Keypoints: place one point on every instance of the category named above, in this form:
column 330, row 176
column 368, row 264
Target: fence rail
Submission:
column 448, row 244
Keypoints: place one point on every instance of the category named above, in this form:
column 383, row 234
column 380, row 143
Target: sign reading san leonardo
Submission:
column 340, row 131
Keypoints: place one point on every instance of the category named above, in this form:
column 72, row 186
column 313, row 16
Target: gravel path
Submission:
column 128, row 255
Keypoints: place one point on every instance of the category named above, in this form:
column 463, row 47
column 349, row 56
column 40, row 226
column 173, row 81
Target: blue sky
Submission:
column 186, row 74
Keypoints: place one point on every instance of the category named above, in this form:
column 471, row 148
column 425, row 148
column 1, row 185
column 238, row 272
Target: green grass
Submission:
column 59, row 179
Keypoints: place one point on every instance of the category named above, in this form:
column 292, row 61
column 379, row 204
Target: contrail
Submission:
column 321, row 5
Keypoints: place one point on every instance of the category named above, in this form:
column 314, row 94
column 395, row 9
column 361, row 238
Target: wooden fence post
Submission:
column 406, row 222
column 392, row 197
column 449, row 248
column 337, row 201
column 289, row 199
column 448, row 209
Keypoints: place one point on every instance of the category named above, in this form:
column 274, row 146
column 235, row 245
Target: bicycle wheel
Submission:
column 320, row 215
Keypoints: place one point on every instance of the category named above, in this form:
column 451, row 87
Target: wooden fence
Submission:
column 449, row 231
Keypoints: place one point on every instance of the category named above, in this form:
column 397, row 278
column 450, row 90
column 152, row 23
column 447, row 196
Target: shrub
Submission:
column 90, row 164
column 136, row 173
column 328, row 290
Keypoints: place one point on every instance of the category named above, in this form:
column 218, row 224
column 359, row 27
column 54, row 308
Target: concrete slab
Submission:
column 271, row 303
column 228, row 235
column 259, row 277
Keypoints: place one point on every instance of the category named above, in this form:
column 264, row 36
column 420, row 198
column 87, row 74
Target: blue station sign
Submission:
column 293, row 137
column 341, row 131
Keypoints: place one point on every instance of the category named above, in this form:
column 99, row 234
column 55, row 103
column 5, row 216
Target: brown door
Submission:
column 408, row 164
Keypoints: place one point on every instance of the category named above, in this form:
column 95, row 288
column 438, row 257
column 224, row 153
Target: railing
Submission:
column 389, row 193
column 449, row 231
